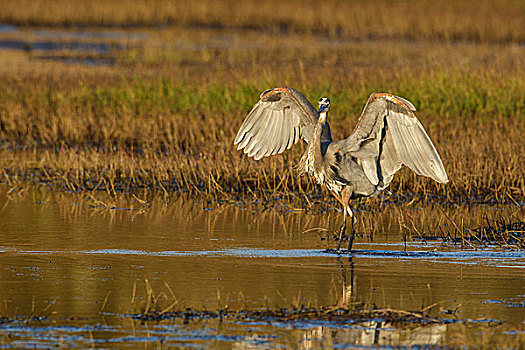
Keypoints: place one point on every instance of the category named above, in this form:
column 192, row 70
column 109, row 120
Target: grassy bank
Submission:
column 170, row 135
column 163, row 118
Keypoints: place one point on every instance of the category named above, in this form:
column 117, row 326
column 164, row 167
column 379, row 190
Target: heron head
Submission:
column 324, row 104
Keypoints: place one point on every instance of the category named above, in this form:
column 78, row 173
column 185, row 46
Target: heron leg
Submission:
column 345, row 197
column 342, row 233
column 352, row 232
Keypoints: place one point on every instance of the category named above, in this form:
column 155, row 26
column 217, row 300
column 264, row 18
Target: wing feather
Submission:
column 255, row 118
column 403, row 142
column 283, row 134
column 251, row 130
column 389, row 159
column 248, row 124
column 258, row 132
column 276, row 122
column 266, row 142
column 292, row 140
column 388, row 135
column 245, row 139
column 277, row 136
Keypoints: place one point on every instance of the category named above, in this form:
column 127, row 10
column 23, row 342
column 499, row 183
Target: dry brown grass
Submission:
column 123, row 135
column 164, row 117
column 479, row 21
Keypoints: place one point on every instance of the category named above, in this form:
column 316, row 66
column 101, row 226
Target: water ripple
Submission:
column 508, row 259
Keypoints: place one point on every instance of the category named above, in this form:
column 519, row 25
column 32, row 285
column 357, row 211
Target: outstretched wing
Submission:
column 276, row 122
column 388, row 135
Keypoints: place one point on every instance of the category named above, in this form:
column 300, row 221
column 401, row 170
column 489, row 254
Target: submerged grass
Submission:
column 347, row 321
column 303, row 314
column 164, row 305
column 506, row 233
column 401, row 217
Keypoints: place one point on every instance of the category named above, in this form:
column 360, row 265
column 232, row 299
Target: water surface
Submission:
column 72, row 274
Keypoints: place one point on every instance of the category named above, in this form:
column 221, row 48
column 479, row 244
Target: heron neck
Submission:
column 315, row 145
column 322, row 117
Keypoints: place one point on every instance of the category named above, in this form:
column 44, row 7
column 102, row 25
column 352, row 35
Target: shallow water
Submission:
column 82, row 271
column 95, row 47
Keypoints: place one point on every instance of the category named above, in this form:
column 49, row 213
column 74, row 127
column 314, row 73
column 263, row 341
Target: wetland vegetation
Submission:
column 119, row 117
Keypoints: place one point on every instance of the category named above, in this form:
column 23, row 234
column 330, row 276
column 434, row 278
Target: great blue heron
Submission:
column 388, row 135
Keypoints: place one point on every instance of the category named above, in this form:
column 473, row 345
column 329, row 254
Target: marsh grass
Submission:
column 503, row 232
column 167, row 136
column 302, row 314
column 158, row 303
column 456, row 332
column 162, row 120
column 379, row 219
column 164, row 305
column 477, row 21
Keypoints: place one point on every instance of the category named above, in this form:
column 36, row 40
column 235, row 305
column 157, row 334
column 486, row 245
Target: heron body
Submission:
column 387, row 136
